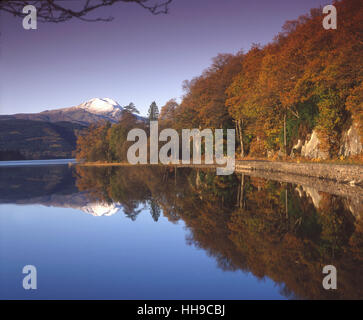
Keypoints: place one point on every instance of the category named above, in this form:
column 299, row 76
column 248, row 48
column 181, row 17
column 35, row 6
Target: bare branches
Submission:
column 60, row 11
column 157, row 8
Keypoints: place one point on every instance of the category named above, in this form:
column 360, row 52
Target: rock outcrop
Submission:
column 351, row 142
column 311, row 148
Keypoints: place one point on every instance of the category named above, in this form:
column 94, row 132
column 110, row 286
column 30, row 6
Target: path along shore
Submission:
column 343, row 173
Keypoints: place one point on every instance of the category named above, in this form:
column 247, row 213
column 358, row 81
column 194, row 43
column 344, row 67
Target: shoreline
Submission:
column 343, row 173
column 127, row 164
column 351, row 174
column 321, row 185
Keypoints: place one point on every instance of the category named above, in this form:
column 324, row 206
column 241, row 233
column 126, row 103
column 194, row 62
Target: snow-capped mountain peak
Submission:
column 86, row 113
column 105, row 106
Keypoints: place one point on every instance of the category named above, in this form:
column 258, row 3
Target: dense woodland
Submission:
column 308, row 78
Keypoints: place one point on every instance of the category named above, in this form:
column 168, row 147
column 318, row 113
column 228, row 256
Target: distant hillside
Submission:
column 52, row 133
column 28, row 139
column 79, row 116
column 92, row 111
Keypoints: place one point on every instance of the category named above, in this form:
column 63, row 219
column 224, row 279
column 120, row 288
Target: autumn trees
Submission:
column 93, row 143
column 340, row 74
column 203, row 104
column 108, row 143
column 243, row 95
column 308, row 79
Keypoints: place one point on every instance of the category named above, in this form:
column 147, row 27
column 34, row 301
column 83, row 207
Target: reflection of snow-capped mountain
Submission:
column 79, row 201
column 101, row 209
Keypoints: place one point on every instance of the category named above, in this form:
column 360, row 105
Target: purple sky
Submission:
column 136, row 57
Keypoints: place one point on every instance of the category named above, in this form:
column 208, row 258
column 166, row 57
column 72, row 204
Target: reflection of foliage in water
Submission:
column 268, row 228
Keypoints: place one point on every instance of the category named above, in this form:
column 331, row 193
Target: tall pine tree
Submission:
column 153, row 113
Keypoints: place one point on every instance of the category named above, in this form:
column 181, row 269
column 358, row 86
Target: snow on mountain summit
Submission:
column 86, row 113
column 105, row 106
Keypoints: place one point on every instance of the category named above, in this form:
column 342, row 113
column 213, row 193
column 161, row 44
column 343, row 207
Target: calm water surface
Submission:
column 153, row 233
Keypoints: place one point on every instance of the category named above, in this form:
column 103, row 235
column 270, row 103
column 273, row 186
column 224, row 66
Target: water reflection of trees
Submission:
column 271, row 229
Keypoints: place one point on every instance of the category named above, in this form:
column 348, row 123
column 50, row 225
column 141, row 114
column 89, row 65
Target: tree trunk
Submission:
column 237, row 128
column 286, row 205
column 239, row 124
column 285, row 142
